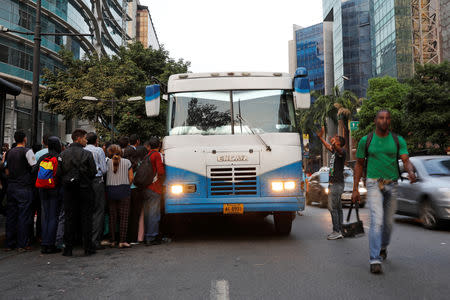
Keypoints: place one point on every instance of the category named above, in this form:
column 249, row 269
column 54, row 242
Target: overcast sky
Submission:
column 231, row 35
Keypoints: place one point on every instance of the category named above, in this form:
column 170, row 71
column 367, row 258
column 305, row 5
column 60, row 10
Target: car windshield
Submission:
column 232, row 112
column 348, row 176
column 437, row 167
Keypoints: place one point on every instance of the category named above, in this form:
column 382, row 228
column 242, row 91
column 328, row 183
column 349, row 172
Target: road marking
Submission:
column 219, row 290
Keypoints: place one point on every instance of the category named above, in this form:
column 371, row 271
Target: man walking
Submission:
column 152, row 196
column 19, row 219
column 380, row 151
column 336, row 181
column 98, row 186
column 76, row 171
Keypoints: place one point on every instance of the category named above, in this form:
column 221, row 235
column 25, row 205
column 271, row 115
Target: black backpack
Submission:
column 366, row 152
column 144, row 172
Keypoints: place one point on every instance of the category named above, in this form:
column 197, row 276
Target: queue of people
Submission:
column 84, row 191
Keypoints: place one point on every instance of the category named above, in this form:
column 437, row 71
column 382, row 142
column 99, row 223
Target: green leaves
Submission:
column 111, row 78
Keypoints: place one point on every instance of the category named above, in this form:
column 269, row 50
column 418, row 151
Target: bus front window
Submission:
column 209, row 113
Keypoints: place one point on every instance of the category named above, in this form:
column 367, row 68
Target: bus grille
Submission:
column 233, row 180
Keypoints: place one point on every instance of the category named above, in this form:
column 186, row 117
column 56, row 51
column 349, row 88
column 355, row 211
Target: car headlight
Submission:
column 176, row 189
column 289, row 185
column 326, row 190
column 445, row 192
column 277, row 186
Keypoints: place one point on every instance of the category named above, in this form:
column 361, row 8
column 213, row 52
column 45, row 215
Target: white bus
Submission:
column 232, row 145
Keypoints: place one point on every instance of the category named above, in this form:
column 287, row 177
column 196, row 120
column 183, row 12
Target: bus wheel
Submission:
column 283, row 222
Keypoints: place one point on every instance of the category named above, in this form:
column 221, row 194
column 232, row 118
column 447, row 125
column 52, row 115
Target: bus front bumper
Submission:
column 251, row 204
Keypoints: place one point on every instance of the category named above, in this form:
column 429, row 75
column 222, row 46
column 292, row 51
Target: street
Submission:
column 235, row 258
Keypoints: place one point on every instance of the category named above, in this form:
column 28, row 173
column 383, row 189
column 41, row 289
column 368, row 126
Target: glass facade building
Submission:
column 391, row 35
column 356, row 46
column 102, row 18
column 309, row 54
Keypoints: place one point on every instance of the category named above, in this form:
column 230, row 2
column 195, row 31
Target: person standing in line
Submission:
column 382, row 172
column 51, row 197
column 44, row 149
column 76, row 171
column 98, row 187
column 152, row 196
column 19, row 219
column 336, row 181
column 118, row 180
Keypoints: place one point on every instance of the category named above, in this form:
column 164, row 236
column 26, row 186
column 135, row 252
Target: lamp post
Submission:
column 113, row 101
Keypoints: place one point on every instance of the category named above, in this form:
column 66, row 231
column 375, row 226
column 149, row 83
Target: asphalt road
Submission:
column 221, row 258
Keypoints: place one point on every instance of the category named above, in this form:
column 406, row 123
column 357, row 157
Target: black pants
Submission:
column 98, row 212
column 78, row 202
column 135, row 214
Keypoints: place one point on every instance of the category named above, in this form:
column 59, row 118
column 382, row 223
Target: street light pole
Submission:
column 36, row 73
column 112, row 122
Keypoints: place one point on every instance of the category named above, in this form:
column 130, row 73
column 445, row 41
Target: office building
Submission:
column 145, row 31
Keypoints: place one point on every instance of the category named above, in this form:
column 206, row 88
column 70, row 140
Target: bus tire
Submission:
column 283, row 222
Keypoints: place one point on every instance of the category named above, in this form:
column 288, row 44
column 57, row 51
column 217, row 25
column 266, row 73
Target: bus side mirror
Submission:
column 152, row 101
column 302, row 96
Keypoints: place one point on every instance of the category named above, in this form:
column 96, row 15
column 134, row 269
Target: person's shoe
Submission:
column 100, row 247
column 124, row 245
column 45, row 249
column 383, row 253
column 25, row 249
column 9, row 249
column 334, row 236
column 376, row 268
column 88, row 252
column 53, row 249
column 67, row 252
column 105, row 243
column 153, row 242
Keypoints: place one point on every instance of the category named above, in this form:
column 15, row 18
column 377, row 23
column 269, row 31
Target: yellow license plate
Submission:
column 233, row 209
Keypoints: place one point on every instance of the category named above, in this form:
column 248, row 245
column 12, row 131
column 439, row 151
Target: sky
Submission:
column 231, row 35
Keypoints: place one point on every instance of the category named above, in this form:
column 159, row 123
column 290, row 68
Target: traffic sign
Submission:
column 354, row 125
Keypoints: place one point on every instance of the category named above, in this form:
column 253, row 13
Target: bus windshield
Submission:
column 232, row 112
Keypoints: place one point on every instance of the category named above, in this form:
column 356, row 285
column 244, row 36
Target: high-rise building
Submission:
column 106, row 20
column 145, row 31
column 309, row 53
column 347, row 55
column 444, row 28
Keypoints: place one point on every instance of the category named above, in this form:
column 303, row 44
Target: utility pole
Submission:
column 36, row 73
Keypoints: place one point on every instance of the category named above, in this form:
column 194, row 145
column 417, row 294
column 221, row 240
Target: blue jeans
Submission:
column 382, row 205
column 51, row 202
column 152, row 214
column 335, row 205
column 19, row 216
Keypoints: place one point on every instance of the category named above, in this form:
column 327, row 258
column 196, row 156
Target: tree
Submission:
column 116, row 77
column 427, row 107
column 383, row 93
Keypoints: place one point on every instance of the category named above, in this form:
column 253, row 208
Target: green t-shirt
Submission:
column 382, row 156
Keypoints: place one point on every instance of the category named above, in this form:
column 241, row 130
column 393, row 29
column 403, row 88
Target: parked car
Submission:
column 429, row 197
column 317, row 190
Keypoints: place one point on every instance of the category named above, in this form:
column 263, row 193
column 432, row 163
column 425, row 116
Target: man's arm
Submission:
column 92, row 167
column 320, row 135
column 30, row 158
column 409, row 168
column 359, row 168
column 102, row 162
column 160, row 168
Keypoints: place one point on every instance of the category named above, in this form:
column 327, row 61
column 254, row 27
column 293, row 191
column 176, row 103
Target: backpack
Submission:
column 366, row 152
column 144, row 172
column 46, row 173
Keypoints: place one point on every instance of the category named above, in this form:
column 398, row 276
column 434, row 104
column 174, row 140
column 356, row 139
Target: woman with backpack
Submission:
column 50, row 194
column 118, row 180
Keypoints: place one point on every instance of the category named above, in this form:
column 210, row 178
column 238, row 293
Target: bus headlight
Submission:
column 289, row 185
column 176, row 189
column 277, row 186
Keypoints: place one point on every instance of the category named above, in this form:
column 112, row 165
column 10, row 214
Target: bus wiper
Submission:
column 250, row 127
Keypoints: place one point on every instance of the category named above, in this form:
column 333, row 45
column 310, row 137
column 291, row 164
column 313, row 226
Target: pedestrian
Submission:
column 336, row 181
column 124, row 143
column 76, row 170
column 98, row 186
column 118, row 180
column 50, row 193
column 19, row 219
column 44, row 149
column 152, row 195
column 136, row 218
column 378, row 154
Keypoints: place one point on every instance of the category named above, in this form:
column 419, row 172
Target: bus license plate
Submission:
column 233, row 209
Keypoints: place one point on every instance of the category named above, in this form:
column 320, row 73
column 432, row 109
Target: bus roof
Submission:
column 194, row 82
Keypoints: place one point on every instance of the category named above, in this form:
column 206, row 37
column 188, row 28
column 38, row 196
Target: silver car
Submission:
column 429, row 197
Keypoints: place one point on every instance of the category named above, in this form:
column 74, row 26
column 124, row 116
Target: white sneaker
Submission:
column 334, row 236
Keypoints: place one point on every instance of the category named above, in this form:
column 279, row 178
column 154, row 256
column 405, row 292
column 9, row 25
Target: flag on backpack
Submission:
column 46, row 173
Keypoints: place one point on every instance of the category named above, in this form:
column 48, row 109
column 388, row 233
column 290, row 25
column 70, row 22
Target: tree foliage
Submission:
column 116, row 77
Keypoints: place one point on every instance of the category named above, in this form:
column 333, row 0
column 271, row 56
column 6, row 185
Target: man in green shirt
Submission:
column 381, row 181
